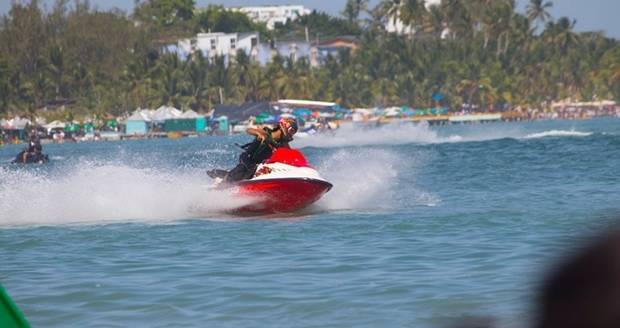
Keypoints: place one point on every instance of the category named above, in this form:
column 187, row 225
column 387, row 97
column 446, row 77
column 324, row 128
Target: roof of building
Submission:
column 243, row 111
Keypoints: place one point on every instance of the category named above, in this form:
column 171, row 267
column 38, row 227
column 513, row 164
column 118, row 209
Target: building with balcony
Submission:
column 220, row 44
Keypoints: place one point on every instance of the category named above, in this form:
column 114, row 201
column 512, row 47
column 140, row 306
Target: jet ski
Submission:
column 283, row 183
column 31, row 158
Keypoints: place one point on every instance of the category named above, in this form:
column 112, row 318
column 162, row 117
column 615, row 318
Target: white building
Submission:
column 395, row 25
column 221, row 44
column 272, row 15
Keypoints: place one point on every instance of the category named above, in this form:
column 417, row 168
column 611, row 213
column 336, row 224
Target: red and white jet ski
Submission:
column 284, row 183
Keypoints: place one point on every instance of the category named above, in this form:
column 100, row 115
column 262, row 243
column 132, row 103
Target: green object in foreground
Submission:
column 10, row 316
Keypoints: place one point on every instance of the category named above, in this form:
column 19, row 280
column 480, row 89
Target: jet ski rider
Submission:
column 260, row 149
column 34, row 149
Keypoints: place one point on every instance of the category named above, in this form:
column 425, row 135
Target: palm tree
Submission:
column 412, row 13
column 169, row 80
column 197, row 80
column 458, row 18
column 5, row 86
column 537, row 11
column 561, row 34
column 353, row 8
column 434, row 21
column 57, row 67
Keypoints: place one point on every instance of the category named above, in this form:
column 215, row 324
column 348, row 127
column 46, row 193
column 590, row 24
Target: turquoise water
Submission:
column 425, row 226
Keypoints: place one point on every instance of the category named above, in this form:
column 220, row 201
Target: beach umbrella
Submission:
column 265, row 118
column 89, row 127
column 72, row 127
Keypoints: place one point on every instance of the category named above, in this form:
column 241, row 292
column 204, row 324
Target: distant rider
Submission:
column 260, row 149
column 34, row 149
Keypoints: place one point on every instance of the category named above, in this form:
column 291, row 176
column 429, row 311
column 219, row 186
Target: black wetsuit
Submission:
column 33, row 154
column 254, row 153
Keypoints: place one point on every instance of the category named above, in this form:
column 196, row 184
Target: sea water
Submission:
column 425, row 227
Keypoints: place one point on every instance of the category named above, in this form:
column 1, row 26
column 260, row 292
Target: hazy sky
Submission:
column 591, row 15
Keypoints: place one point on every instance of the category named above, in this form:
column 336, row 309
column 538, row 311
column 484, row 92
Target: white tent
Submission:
column 40, row 120
column 18, row 123
column 392, row 111
column 55, row 125
column 164, row 113
column 139, row 115
column 190, row 114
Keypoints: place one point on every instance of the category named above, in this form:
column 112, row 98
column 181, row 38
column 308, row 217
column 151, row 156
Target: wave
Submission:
column 367, row 180
column 91, row 192
column 388, row 134
column 102, row 193
column 557, row 133
column 349, row 135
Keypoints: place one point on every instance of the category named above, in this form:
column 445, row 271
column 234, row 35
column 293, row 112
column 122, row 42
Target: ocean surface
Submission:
column 426, row 226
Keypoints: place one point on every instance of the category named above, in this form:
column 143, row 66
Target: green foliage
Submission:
column 165, row 12
column 84, row 61
column 319, row 24
column 217, row 19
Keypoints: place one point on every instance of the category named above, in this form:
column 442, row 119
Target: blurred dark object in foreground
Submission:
column 584, row 290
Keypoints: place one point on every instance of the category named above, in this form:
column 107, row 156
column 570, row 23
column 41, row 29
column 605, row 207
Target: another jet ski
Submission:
column 31, row 158
column 284, row 183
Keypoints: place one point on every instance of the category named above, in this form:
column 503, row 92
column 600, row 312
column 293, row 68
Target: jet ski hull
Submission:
column 281, row 195
column 30, row 158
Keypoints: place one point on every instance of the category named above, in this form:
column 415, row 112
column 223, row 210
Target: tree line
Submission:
column 482, row 53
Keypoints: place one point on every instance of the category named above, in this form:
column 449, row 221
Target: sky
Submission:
column 591, row 15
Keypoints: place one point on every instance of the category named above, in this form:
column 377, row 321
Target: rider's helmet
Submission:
column 288, row 126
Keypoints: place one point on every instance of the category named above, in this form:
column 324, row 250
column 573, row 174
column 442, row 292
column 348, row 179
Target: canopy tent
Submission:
column 17, row 123
column 89, row 127
column 111, row 123
column 243, row 111
column 164, row 112
column 55, row 125
column 189, row 121
column 137, row 123
column 392, row 111
column 72, row 127
column 139, row 115
column 190, row 114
